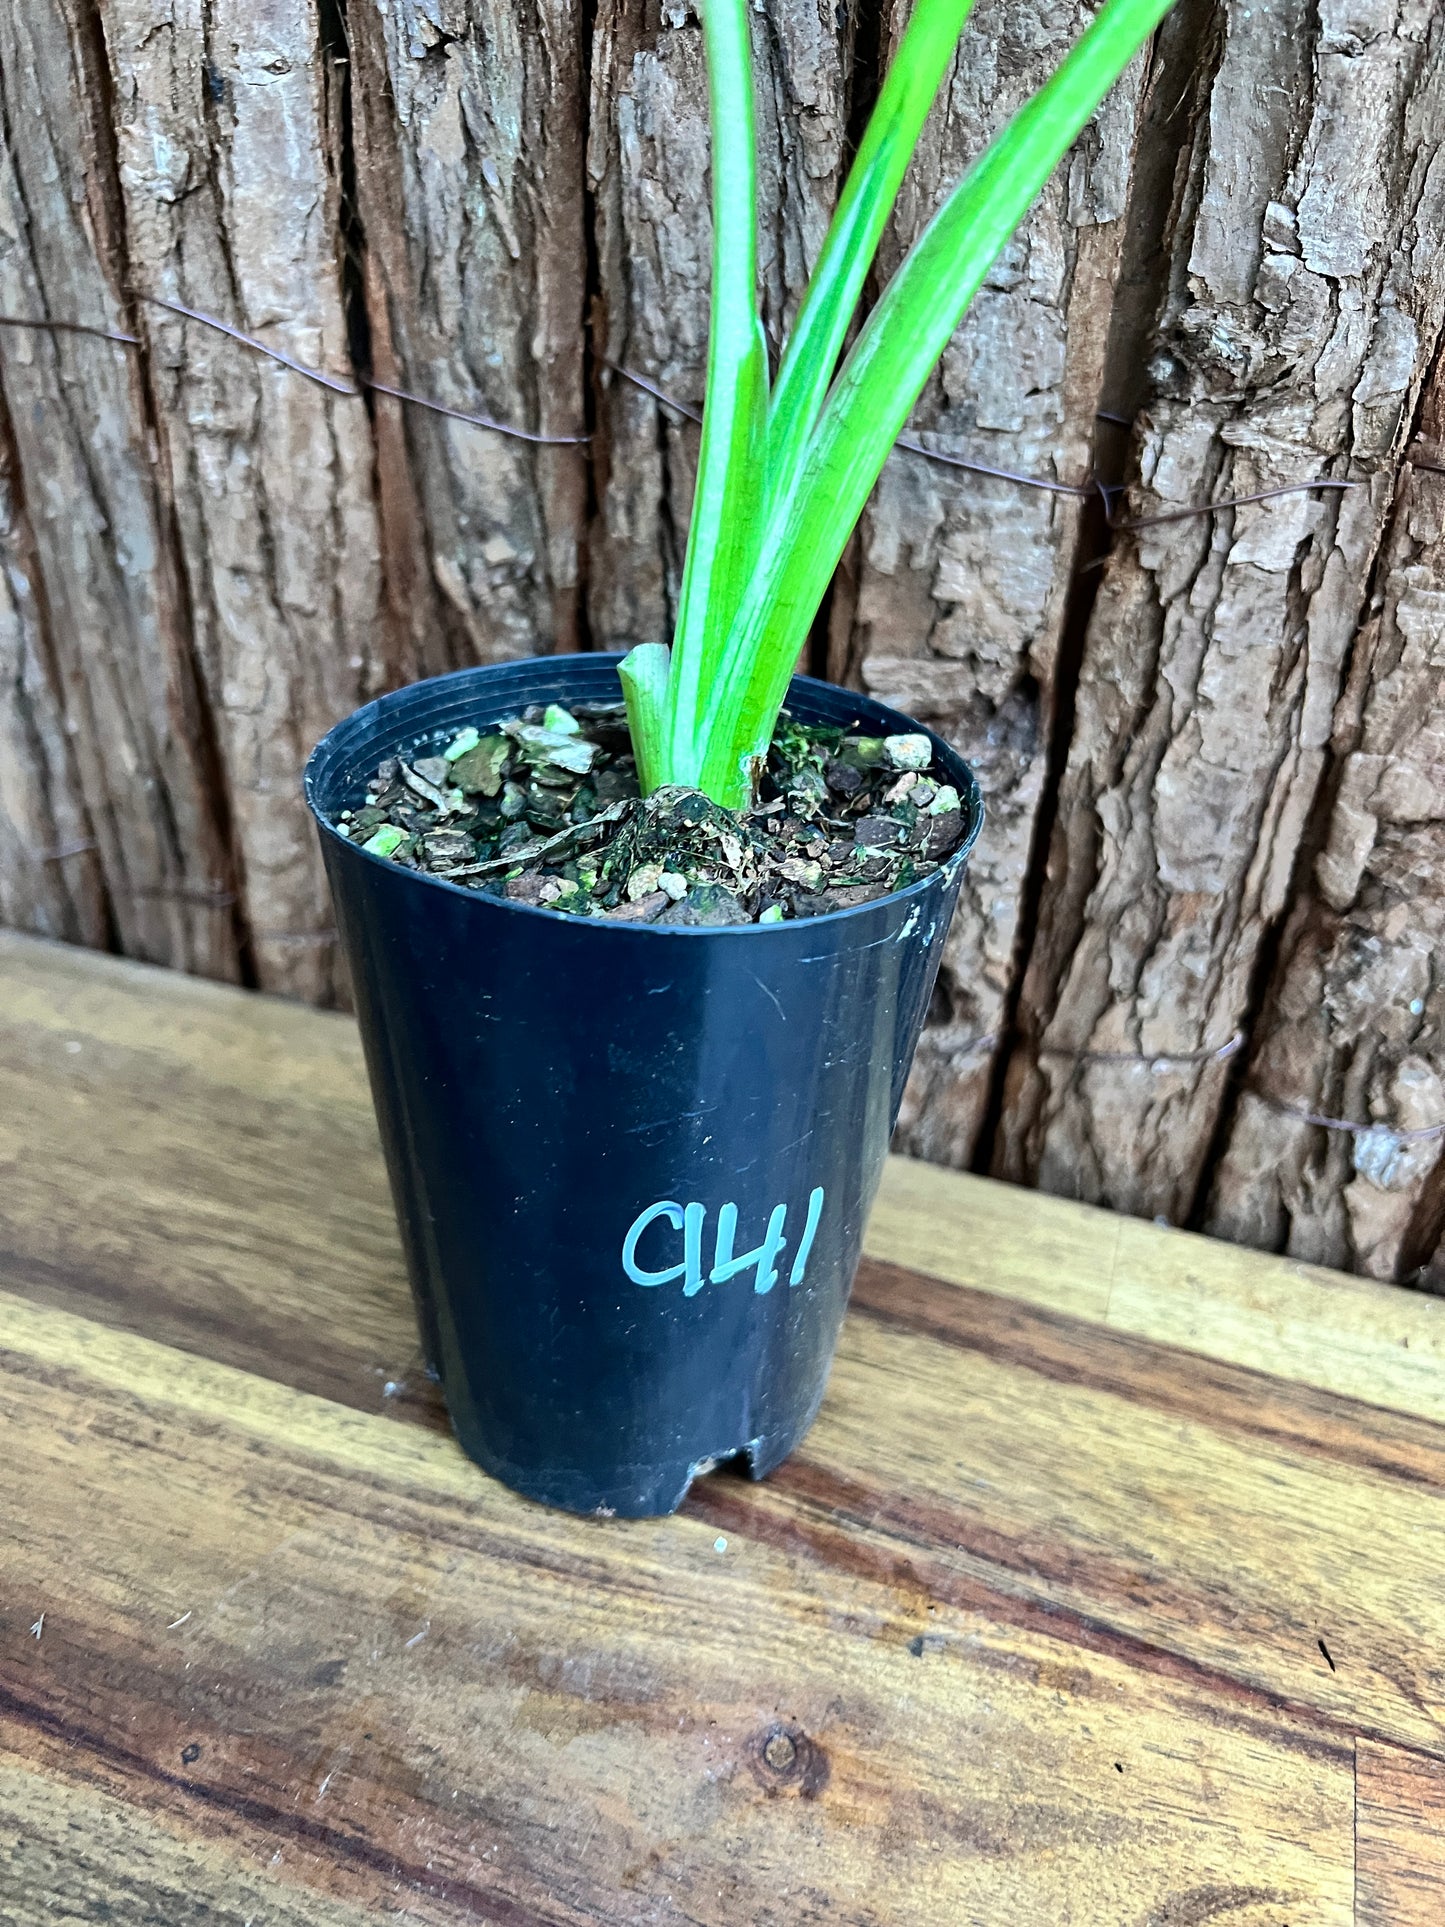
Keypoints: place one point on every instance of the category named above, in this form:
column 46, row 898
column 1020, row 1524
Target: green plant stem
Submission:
column 722, row 540
column 644, row 672
column 881, row 379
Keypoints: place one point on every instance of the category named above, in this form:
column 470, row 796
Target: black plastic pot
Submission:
column 632, row 1164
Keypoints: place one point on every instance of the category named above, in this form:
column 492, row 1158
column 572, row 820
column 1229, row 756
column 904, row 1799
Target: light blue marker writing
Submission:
column 810, row 1231
column 764, row 1259
column 689, row 1220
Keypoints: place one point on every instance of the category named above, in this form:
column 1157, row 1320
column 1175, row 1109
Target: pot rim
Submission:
column 969, row 793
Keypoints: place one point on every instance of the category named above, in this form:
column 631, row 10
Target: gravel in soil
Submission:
column 545, row 810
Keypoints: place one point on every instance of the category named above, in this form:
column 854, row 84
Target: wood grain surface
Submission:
column 1106, row 1589
column 1399, row 1838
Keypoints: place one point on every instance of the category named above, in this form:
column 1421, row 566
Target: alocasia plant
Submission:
column 787, row 464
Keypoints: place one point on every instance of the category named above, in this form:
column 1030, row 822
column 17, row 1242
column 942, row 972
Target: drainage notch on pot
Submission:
column 632, row 1165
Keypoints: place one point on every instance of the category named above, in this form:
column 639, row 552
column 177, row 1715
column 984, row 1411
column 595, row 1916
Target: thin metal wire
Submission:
column 352, row 390
column 476, row 421
column 334, row 384
column 1094, row 484
column 682, row 408
column 179, row 893
column 70, row 328
column 1323, row 1123
column 340, row 387
column 1232, row 502
column 1161, row 1059
column 77, row 848
column 912, row 447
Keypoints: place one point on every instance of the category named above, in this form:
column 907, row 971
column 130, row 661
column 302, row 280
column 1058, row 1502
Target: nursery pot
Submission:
column 632, row 1163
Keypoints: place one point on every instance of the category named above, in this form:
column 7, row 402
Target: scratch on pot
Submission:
column 39, row 1627
column 829, row 956
column 661, row 1123
column 771, row 995
column 417, row 1638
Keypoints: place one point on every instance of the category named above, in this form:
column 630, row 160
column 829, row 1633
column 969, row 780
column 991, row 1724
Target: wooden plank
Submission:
column 1314, row 1327
column 337, row 1650
column 1217, row 649
column 1058, row 1255
column 203, row 1168
column 70, row 1849
column 1192, row 1515
column 1399, row 1838
column 246, row 1120
column 1347, row 1335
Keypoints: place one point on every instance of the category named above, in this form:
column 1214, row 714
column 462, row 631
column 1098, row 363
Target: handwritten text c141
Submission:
column 689, row 1219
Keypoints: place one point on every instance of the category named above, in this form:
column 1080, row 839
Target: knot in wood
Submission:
column 786, row 1760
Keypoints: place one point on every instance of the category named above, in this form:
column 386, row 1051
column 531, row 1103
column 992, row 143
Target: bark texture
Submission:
column 468, row 126
column 94, row 587
column 961, row 583
column 1352, row 1025
column 50, row 879
column 1211, row 746
column 231, row 188
column 1301, row 313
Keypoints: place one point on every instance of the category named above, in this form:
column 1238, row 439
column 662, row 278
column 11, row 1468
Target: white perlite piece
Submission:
column 908, row 752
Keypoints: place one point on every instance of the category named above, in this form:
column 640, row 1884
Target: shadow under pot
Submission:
column 632, row 1163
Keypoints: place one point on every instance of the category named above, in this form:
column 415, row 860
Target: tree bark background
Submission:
column 1213, row 747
